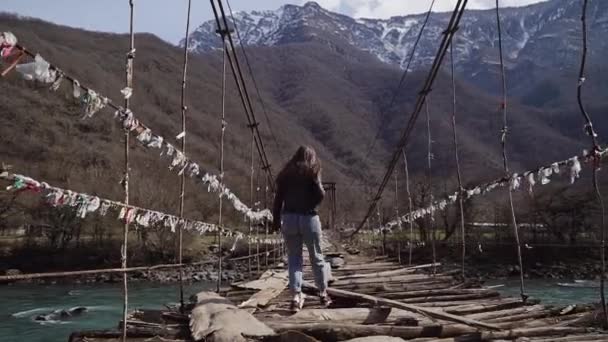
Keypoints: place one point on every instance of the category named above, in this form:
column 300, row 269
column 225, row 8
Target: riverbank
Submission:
column 231, row 271
column 500, row 262
column 491, row 264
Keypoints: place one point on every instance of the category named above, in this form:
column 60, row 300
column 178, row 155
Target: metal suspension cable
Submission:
column 184, row 110
column 596, row 159
column 222, row 135
column 505, row 159
column 123, row 255
column 426, row 89
column 410, row 205
column 242, row 88
column 457, row 160
column 429, row 169
column 401, row 81
column 255, row 83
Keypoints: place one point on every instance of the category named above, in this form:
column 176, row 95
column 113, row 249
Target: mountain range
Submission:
column 538, row 40
column 326, row 81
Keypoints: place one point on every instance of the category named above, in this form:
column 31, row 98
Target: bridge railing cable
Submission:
column 570, row 168
column 235, row 66
column 426, row 89
column 402, row 80
column 255, row 84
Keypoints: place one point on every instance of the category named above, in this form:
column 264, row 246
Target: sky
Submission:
column 168, row 21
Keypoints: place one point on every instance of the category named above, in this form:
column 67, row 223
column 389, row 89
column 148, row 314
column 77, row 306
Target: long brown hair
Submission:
column 304, row 163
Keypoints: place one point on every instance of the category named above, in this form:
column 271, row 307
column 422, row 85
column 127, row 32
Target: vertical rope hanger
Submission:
column 266, row 231
column 266, row 221
column 430, row 181
column 123, row 252
column 252, row 201
column 504, row 131
column 222, row 32
column 183, row 178
column 596, row 160
column 410, row 206
column 397, row 215
column 257, row 231
column 457, row 160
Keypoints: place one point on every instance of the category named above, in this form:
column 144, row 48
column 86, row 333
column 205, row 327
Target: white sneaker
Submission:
column 325, row 299
column 297, row 303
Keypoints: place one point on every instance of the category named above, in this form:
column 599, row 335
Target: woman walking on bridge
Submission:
column 298, row 193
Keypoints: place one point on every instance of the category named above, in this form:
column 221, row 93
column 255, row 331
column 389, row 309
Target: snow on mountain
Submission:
column 546, row 34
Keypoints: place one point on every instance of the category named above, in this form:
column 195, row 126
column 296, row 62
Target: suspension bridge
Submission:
column 379, row 297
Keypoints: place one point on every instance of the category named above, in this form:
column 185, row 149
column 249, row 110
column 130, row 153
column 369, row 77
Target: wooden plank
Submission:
column 340, row 331
column 404, row 279
column 409, row 307
column 398, row 271
column 534, row 332
column 354, row 315
column 271, row 284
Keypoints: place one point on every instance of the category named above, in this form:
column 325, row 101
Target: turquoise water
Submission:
column 20, row 304
column 548, row 291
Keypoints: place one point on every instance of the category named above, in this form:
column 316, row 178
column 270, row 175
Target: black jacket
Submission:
column 297, row 194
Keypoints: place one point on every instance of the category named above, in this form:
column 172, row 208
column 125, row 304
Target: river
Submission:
column 22, row 303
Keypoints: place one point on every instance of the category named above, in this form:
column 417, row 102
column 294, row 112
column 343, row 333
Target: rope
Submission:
column 156, row 141
column 429, row 158
column 524, row 297
column 596, row 155
column 241, row 86
column 427, row 87
column 184, row 109
column 266, row 223
column 257, row 230
column 31, row 276
column 571, row 165
column 129, row 85
column 251, row 198
column 82, row 203
column 222, row 135
column 457, row 160
column 255, row 84
column 410, row 205
column 401, row 81
column 397, row 213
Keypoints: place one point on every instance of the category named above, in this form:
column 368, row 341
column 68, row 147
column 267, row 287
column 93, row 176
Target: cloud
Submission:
column 388, row 8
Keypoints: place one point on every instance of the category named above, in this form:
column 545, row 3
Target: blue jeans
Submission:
column 297, row 230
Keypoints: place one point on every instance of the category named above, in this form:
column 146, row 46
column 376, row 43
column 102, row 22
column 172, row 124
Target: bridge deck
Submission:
column 381, row 298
